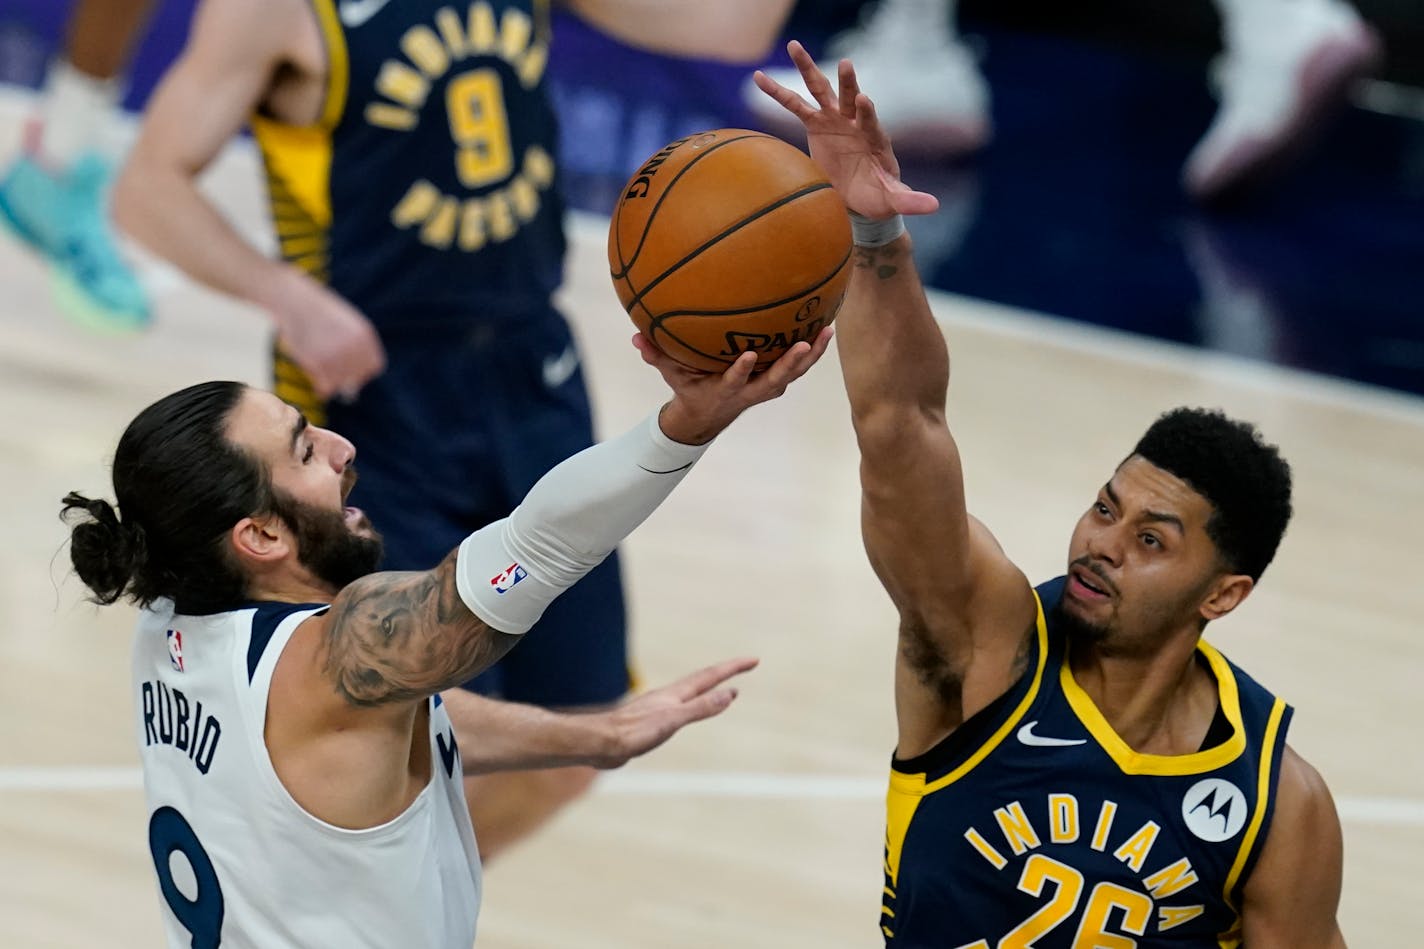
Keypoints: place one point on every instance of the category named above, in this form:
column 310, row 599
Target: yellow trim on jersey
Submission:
column 337, row 67
column 1232, row 938
column 906, row 791
column 293, row 386
column 298, row 161
column 904, row 783
column 1132, row 762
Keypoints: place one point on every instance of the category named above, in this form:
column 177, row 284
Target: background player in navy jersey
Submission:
column 1075, row 765
column 410, row 155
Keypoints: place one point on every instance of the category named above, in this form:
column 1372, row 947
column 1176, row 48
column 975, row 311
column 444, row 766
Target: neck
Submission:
column 1158, row 703
column 289, row 588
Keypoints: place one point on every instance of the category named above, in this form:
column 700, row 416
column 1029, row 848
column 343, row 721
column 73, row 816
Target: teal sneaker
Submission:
column 65, row 219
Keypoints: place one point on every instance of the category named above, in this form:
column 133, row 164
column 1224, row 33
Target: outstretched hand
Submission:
column 847, row 141
column 643, row 723
column 704, row 403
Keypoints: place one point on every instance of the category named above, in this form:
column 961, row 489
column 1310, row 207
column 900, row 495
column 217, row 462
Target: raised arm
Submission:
column 1291, row 899
column 392, row 638
column 965, row 610
column 235, row 53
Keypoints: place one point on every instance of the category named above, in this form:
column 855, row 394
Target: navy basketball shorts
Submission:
column 450, row 438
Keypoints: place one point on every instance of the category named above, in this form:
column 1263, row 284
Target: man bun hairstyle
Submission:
column 179, row 485
column 104, row 551
column 1245, row 479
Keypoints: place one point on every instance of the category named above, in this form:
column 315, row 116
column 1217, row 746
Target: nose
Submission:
column 340, row 452
column 1106, row 545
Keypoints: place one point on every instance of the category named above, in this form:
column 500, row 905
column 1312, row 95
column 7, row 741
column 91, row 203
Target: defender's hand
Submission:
column 846, row 140
column 641, row 724
column 330, row 339
column 704, row 403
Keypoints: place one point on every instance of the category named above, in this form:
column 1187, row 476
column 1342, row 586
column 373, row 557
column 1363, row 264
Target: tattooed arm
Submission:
column 396, row 637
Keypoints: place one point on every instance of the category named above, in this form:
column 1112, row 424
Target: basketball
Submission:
column 729, row 241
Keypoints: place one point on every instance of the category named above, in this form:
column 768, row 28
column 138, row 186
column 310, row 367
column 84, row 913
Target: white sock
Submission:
column 1255, row 22
column 75, row 112
column 933, row 17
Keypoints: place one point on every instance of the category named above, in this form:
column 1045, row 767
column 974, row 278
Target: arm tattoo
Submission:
column 879, row 259
column 397, row 637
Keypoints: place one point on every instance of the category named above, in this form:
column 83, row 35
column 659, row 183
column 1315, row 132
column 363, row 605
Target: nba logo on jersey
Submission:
column 504, row 581
column 175, row 649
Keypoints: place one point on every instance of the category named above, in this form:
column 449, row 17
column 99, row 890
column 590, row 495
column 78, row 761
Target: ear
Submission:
column 1225, row 595
column 261, row 540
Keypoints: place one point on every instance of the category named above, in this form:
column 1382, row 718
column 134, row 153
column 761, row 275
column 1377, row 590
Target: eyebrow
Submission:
column 297, row 428
column 1158, row 516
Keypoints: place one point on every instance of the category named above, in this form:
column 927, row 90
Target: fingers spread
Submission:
column 869, row 122
column 816, row 82
column 850, row 89
column 788, row 100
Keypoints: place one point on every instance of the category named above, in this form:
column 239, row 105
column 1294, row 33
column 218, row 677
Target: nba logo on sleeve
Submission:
column 505, row 580
column 175, row 649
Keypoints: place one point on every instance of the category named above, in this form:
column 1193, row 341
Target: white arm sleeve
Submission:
column 508, row 572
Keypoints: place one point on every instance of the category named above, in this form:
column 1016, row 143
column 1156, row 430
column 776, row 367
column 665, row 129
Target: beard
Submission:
column 335, row 553
column 1076, row 628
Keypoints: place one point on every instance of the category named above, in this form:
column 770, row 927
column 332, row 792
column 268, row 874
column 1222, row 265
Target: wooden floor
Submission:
column 763, row 828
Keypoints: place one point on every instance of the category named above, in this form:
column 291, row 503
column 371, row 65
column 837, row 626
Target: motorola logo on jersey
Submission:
column 1214, row 810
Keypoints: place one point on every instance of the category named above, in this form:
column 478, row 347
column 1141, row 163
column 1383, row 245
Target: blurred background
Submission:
column 1075, row 206
column 1099, row 258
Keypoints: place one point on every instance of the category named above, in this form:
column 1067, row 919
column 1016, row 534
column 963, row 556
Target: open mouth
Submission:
column 1087, row 585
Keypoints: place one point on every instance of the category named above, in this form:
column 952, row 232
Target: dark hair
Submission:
column 1246, row 481
column 180, row 485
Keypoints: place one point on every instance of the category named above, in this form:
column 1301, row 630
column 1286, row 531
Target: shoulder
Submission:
column 1303, row 843
column 234, row 29
column 1303, row 801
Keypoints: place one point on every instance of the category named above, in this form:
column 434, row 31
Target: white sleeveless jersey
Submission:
column 240, row 864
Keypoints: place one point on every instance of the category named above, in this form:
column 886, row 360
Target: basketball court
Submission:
column 764, row 827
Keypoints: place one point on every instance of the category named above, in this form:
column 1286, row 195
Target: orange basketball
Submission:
column 729, row 241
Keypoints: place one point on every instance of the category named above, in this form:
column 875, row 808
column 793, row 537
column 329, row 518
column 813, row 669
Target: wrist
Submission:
column 873, row 232
column 604, row 740
column 679, row 426
column 270, row 287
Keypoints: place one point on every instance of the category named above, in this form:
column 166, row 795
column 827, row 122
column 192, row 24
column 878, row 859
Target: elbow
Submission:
column 889, row 427
column 126, row 199
column 132, row 198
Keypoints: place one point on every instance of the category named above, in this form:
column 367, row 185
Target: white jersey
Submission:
column 240, row 864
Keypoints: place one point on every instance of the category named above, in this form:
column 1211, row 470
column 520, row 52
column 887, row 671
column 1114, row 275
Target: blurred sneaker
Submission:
column 927, row 87
column 64, row 217
column 1279, row 80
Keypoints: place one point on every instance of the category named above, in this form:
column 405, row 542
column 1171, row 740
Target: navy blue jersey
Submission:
column 1034, row 824
column 427, row 192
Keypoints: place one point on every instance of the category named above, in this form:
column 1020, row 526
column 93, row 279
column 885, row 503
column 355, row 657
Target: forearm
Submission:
column 893, row 354
column 569, row 522
column 507, row 736
column 162, row 207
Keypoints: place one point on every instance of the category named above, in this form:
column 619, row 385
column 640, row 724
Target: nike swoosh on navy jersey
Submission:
column 353, row 13
column 560, row 369
column 1027, row 736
